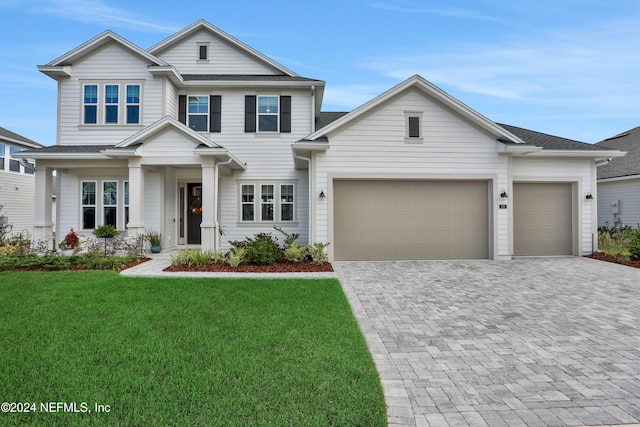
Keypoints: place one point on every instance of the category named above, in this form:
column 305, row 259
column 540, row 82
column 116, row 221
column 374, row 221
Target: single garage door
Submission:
column 397, row 219
column 542, row 219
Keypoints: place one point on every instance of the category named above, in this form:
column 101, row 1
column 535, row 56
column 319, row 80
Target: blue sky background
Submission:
column 565, row 67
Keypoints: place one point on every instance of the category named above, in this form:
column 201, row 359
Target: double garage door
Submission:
column 393, row 219
column 398, row 219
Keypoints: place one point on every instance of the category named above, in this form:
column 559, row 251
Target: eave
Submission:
column 303, row 150
column 56, row 71
column 169, row 72
column 618, row 178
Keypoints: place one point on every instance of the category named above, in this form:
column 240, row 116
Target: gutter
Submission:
column 311, row 198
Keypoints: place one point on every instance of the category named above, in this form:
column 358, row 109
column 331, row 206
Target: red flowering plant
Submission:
column 71, row 240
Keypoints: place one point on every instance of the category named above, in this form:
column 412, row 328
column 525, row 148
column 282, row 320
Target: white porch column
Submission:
column 208, row 225
column 136, row 198
column 42, row 223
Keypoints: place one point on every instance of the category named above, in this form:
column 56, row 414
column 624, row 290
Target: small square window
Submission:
column 413, row 123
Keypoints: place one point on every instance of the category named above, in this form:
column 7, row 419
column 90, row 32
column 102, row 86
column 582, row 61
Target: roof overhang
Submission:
column 168, row 71
column 303, row 150
column 222, row 156
column 528, row 150
column 59, row 156
column 56, row 71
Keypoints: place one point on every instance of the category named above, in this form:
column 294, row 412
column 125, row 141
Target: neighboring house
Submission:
column 17, row 182
column 619, row 182
column 201, row 134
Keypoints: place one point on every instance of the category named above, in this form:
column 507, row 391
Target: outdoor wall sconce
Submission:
column 322, row 196
column 588, row 196
column 503, row 195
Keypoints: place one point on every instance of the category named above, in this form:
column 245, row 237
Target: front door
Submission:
column 194, row 213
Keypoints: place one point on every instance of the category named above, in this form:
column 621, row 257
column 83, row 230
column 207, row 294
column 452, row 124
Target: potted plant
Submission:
column 105, row 231
column 154, row 239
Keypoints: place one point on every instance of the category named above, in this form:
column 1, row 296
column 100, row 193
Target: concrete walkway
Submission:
column 529, row 342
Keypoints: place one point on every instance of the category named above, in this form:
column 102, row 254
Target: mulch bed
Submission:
column 277, row 267
column 608, row 258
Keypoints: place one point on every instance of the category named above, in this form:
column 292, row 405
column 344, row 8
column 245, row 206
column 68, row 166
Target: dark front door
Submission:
column 194, row 213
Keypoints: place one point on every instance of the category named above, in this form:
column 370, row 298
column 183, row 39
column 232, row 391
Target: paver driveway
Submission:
column 536, row 341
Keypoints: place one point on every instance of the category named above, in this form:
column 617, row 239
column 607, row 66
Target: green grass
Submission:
column 184, row 351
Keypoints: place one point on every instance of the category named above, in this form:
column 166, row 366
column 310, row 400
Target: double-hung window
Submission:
column 111, row 103
column 14, row 164
column 2, row 154
column 133, row 104
column 110, row 202
column 126, row 204
column 198, row 113
column 267, row 202
column 88, row 205
column 268, row 114
column 90, row 101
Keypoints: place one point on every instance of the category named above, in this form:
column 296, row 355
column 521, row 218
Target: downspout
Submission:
column 216, row 224
column 311, row 198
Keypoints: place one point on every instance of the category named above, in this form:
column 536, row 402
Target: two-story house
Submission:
column 17, row 182
column 201, row 134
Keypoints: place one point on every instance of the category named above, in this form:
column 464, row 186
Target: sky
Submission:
column 569, row 68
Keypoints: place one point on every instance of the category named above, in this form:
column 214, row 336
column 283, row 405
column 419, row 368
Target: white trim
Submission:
column 257, row 201
column 619, row 178
column 202, row 24
column 431, row 90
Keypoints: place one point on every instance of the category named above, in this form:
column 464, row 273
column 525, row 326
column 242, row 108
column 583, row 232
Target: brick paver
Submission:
column 529, row 342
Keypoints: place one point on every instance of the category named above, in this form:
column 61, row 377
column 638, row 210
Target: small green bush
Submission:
column 261, row 249
column 634, row 245
column 59, row 262
column 318, row 255
column 295, row 253
column 236, row 256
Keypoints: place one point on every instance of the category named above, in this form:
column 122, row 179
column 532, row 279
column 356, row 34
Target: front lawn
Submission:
column 183, row 352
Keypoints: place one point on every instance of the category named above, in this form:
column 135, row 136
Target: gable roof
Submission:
column 431, row 90
column 204, row 25
column 162, row 124
column 8, row 136
column 550, row 142
column 628, row 165
column 55, row 68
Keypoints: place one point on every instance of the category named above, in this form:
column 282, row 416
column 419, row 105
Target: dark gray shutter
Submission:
column 215, row 116
column 182, row 109
column 250, row 113
column 414, row 127
column 285, row 114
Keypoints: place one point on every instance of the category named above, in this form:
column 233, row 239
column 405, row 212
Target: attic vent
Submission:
column 203, row 51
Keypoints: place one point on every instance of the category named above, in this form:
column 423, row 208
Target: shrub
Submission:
column 191, row 257
column 634, row 245
column 236, row 256
column 318, row 255
column 289, row 239
column 295, row 253
column 9, row 249
column 261, row 249
column 105, row 231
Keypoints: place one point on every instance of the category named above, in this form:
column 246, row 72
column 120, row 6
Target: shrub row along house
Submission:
column 201, row 134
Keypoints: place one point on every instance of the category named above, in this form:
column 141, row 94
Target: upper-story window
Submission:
column 198, row 113
column 267, row 113
column 133, row 104
column 112, row 103
column 2, row 157
column 14, row 164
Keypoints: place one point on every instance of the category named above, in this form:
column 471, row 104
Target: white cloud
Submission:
column 450, row 12
column 96, row 11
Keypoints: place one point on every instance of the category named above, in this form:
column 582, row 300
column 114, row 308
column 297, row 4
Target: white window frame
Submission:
column 101, row 105
column 132, row 104
column 267, row 114
column 13, row 161
column 206, row 115
column 111, row 104
column 413, row 139
column 89, row 205
column 276, row 202
column 125, row 203
column 106, row 204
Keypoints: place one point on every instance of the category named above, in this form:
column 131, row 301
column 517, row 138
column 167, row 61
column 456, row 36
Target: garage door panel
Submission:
column 542, row 219
column 410, row 220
